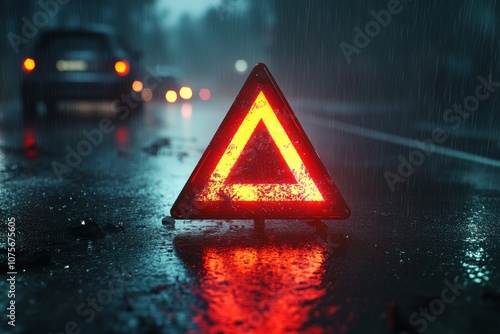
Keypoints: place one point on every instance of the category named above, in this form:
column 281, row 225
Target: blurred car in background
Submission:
column 170, row 86
column 169, row 83
column 78, row 64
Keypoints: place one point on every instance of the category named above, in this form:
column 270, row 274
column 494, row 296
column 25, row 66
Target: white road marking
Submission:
column 403, row 141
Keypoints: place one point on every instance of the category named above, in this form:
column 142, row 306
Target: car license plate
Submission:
column 71, row 65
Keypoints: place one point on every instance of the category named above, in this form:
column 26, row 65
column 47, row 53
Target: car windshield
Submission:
column 73, row 43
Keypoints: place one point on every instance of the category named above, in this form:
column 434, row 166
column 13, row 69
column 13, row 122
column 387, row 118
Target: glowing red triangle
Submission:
column 247, row 169
column 207, row 195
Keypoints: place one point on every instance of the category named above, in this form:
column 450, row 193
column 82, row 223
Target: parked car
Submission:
column 78, row 64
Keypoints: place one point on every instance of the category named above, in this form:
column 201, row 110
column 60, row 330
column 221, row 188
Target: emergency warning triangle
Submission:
column 260, row 164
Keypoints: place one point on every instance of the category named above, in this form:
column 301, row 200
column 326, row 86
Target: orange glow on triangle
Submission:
column 304, row 190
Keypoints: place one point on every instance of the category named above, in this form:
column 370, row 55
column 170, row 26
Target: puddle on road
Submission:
column 261, row 285
column 260, row 289
column 166, row 146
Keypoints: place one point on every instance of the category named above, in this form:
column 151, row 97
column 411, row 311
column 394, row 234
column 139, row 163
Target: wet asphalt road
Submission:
column 422, row 257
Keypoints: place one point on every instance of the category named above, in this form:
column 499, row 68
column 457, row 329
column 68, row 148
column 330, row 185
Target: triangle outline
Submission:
column 261, row 110
column 192, row 202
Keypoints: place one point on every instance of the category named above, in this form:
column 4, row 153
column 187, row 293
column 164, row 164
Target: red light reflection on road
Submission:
column 122, row 138
column 122, row 135
column 262, row 289
column 30, row 142
column 186, row 110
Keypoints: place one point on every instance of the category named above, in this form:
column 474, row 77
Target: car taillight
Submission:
column 28, row 65
column 171, row 96
column 205, row 94
column 186, row 93
column 137, row 86
column 122, row 67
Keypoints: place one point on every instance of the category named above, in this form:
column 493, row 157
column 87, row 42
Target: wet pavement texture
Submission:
column 97, row 252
